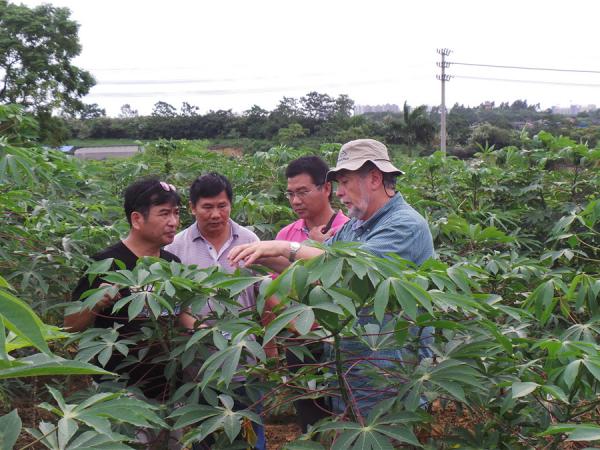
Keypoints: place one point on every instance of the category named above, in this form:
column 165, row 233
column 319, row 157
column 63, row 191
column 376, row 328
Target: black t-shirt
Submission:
column 105, row 319
column 145, row 374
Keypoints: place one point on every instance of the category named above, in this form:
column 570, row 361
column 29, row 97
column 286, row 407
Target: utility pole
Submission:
column 443, row 78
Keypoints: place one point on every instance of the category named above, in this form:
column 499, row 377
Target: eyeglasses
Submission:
column 301, row 195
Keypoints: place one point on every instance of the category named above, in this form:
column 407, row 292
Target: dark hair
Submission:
column 210, row 185
column 141, row 195
column 310, row 165
column 389, row 178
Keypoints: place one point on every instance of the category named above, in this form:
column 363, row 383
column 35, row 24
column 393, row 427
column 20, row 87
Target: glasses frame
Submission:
column 167, row 187
column 301, row 194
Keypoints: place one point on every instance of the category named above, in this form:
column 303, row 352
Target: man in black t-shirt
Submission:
column 152, row 210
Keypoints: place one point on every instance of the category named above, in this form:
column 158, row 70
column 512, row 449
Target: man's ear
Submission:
column 192, row 208
column 376, row 179
column 137, row 219
column 327, row 187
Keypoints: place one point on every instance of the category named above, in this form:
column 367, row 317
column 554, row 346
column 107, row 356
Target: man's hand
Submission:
column 248, row 254
column 85, row 318
column 106, row 299
column 316, row 235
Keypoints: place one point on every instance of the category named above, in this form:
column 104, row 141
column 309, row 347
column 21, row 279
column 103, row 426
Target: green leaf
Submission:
column 282, row 321
column 460, row 279
column 331, row 272
column 19, row 318
column 556, row 392
column 521, row 389
column 40, row 364
column 382, row 296
column 67, row 428
column 571, row 372
column 401, row 434
column 593, row 366
column 10, row 428
column 584, row 432
column 232, row 426
column 305, row 321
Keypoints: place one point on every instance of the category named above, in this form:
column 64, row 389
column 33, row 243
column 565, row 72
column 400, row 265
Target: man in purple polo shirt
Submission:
column 310, row 195
column 207, row 243
column 208, row 240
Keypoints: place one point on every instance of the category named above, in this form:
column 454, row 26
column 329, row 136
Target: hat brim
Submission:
column 384, row 166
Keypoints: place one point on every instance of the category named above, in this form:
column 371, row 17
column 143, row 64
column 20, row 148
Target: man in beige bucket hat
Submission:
column 355, row 153
column 381, row 219
column 385, row 225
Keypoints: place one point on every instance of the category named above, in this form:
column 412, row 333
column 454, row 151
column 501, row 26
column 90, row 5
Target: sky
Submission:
column 232, row 54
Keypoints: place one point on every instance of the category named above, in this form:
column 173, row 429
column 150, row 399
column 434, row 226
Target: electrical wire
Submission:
column 524, row 68
column 559, row 83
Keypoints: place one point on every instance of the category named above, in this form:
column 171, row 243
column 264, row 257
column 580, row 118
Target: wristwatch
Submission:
column 294, row 247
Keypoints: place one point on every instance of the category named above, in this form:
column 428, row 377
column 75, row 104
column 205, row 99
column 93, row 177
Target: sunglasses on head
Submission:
column 167, row 186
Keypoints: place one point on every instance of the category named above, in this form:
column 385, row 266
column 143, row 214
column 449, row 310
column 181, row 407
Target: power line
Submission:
column 525, row 68
column 559, row 83
column 258, row 90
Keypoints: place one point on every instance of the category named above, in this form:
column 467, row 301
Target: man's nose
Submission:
column 296, row 200
column 173, row 219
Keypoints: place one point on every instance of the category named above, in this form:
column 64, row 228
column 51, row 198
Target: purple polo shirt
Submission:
column 298, row 232
column 192, row 248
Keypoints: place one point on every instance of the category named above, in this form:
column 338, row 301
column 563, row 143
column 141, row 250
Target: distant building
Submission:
column 361, row 109
column 112, row 151
column 573, row 110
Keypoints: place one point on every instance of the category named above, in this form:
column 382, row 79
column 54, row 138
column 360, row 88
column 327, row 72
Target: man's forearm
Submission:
column 79, row 321
column 280, row 263
column 275, row 263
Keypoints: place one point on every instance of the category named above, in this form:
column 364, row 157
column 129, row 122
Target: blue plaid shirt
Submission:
column 394, row 228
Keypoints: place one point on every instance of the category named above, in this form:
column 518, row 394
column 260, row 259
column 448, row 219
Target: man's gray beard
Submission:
column 360, row 211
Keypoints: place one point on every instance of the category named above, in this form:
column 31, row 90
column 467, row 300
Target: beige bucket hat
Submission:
column 354, row 154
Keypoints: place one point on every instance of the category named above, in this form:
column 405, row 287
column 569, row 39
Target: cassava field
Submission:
column 514, row 296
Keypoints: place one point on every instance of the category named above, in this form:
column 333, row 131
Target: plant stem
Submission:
column 339, row 368
column 40, row 438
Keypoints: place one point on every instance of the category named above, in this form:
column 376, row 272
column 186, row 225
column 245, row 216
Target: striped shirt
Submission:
column 192, row 248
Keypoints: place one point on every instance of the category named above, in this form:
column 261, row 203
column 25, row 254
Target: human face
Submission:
column 160, row 226
column 212, row 214
column 307, row 199
column 353, row 192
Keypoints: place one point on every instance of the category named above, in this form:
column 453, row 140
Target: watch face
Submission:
column 294, row 247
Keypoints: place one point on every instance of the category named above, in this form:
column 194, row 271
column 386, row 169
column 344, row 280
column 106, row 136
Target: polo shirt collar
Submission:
column 299, row 225
column 233, row 231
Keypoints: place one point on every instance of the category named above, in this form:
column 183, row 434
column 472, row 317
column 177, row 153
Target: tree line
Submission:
column 318, row 116
column 37, row 46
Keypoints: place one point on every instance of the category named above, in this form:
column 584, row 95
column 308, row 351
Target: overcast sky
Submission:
column 233, row 54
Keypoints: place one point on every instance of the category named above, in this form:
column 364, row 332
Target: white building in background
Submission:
column 109, row 151
column 361, row 109
column 573, row 110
